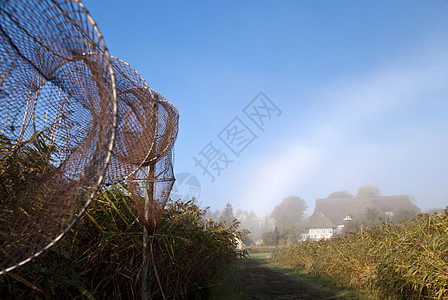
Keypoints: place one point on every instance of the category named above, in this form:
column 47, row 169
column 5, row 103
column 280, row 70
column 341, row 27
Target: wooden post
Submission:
column 149, row 201
column 146, row 273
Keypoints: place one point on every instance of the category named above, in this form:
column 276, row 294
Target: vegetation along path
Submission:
column 256, row 278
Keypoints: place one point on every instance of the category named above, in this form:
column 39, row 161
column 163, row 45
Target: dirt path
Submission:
column 263, row 282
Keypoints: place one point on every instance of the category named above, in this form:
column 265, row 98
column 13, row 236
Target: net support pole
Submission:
column 146, row 271
column 149, row 200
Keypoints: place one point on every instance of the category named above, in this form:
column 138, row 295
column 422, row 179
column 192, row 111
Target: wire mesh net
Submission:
column 147, row 129
column 58, row 116
column 72, row 118
column 151, row 184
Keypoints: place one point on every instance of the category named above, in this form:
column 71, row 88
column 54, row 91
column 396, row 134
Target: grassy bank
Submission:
column 408, row 260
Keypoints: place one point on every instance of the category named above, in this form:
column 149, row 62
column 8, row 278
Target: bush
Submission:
column 285, row 235
column 270, row 239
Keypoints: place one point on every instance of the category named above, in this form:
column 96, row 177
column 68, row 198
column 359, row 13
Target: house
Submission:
column 335, row 212
column 319, row 227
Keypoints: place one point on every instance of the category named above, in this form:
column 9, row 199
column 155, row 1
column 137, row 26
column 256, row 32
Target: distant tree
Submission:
column 241, row 215
column 276, row 235
column 370, row 216
column 266, row 224
column 289, row 212
column 212, row 215
column 404, row 215
column 269, row 239
column 368, row 191
column 289, row 234
column 252, row 224
column 227, row 215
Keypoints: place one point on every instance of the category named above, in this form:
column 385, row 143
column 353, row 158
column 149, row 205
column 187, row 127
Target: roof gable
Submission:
column 319, row 220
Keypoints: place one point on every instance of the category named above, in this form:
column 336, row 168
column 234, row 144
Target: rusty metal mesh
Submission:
column 152, row 183
column 72, row 118
column 58, row 121
column 147, row 129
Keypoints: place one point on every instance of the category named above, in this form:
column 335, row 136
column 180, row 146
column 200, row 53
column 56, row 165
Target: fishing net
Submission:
column 146, row 131
column 151, row 184
column 58, row 122
column 72, row 118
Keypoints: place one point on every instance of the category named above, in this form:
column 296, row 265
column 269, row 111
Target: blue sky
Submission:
column 361, row 86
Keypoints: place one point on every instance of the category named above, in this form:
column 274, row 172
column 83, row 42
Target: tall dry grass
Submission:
column 409, row 259
column 101, row 257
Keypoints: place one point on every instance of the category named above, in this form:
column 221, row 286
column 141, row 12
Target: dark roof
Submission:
column 336, row 209
column 319, row 220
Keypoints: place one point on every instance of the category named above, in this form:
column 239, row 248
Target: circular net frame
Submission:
column 151, row 184
column 58, row 111
column 146, row 132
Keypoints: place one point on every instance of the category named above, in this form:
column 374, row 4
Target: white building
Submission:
column 319, row 227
